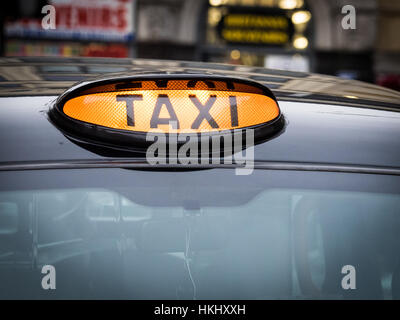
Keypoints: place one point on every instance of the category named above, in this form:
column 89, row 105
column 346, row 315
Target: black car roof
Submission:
column 328, row 120
column 29, row 76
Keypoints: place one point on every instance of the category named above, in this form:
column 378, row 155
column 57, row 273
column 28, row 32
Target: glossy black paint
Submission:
column 313, row 133
column 52, row 76
column 323, row 130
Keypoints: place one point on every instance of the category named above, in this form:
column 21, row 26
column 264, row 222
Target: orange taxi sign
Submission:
column 186, row 104
column 182, row 110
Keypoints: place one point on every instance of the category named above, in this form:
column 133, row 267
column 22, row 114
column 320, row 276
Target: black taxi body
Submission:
column 316, row 217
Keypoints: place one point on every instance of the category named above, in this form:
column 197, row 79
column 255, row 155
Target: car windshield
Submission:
column 202, row 234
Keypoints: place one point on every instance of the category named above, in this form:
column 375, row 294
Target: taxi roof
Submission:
column 27, row 76
column 328, row 120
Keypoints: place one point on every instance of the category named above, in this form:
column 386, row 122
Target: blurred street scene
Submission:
column 320, row 36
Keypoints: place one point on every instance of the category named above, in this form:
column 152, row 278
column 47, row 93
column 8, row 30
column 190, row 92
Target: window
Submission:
column 206, row 234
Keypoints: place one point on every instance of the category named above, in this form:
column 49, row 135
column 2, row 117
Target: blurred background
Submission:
column 295, row 35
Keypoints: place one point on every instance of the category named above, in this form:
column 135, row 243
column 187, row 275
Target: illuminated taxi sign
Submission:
column 122, row 111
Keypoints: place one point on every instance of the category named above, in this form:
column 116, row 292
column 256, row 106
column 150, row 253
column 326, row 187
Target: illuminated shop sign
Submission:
column 256, row 26
column 103, row 20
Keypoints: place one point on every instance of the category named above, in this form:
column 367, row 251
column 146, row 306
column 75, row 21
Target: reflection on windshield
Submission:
column 281, row 244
